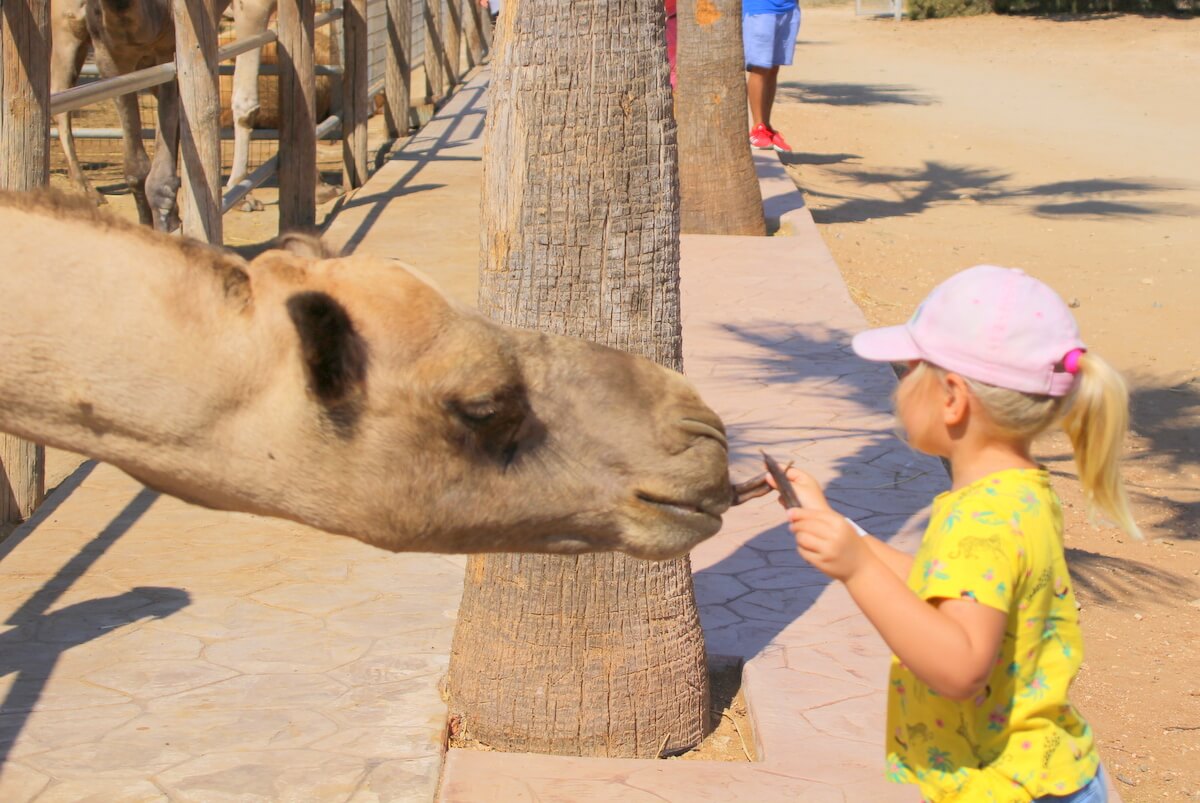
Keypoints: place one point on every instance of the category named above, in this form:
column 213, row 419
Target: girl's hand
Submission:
column 824, row 537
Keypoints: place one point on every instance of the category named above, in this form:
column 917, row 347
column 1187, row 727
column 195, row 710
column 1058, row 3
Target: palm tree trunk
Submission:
column 598, row 655
column 718, row 185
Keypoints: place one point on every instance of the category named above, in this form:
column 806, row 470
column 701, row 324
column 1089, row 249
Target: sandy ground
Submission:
column 1067, row 148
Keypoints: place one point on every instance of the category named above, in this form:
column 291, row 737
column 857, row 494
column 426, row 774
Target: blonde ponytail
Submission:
column 1095, row 416
column 1096, row 421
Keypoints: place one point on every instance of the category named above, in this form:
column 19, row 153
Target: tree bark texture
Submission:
column 24, row 165
column 596, row 655
column 718, row 186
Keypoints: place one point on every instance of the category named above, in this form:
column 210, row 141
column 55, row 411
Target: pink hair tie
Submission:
column 1070, row 362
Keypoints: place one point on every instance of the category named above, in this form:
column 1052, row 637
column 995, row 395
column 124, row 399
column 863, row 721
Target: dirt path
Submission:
column 1067, row 148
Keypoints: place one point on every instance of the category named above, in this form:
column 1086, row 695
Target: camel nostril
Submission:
column 699, row 428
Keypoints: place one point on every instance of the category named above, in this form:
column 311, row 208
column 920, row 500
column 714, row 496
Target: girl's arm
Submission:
column 950, row 644
column 899, row 562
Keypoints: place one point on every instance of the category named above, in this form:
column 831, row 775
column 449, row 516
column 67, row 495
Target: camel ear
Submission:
column 304, row 245
column 334, row 354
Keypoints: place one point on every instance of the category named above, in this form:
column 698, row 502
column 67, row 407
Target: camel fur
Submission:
column 346, row 393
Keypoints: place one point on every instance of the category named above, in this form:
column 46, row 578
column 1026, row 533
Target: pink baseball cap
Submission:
column 996, row 325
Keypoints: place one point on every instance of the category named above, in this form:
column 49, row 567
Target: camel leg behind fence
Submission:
column 25, row 164
column 249, row 19
column 69, row 43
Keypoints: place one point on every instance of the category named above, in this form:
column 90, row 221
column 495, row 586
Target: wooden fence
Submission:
column 26, row 106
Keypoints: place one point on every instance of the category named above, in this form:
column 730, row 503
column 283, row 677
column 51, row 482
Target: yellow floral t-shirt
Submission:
column 999, row 542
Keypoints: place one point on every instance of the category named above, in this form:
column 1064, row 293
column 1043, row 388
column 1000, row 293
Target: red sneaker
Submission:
column 779, row 143
column 760, row 137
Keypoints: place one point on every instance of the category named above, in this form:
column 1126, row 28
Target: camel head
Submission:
column 346, row 393
column 455, row 434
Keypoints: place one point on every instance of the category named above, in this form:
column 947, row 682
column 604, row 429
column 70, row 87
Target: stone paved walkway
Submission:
column 157, row 651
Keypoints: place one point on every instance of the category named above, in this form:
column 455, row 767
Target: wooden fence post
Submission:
column 398, row 74
column 25, row 139
column 199, row 118
column 435, row 60
column 354, row 95
column 453, row 33
column 297, row 128
column 489, row 31
column 473, row 31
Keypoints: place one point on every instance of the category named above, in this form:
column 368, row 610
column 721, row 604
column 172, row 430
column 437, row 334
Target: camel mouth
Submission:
column 687, row 513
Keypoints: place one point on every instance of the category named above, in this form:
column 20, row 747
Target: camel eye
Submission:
column 491, row 423
column 476, row 411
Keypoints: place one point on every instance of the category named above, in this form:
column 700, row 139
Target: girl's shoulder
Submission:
column 1006, row 501
column 1014, row 487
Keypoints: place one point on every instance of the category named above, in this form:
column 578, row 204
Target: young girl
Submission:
column 982, row 622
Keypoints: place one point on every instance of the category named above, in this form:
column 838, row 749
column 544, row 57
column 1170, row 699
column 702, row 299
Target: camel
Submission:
column 345, row 393
column 129, row 35
column 69, row 40
column 250, row 17
column 125, row 35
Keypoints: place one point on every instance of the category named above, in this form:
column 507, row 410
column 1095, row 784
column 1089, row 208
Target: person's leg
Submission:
column 786, row 28
column 757, row 79
column 770, row 78
column 758, row 35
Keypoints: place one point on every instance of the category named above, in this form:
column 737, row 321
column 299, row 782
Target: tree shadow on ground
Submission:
column 1165, row 425
column 915, row 190
column 1110, row 579
column 1168, row 419
column 751, row 596
column 840, row 94
column 800, row 158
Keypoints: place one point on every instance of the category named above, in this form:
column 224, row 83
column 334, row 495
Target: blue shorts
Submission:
column 1096, row 791
column 770, row 39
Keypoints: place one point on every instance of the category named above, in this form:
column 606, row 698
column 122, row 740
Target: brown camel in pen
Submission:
column 129, row 35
